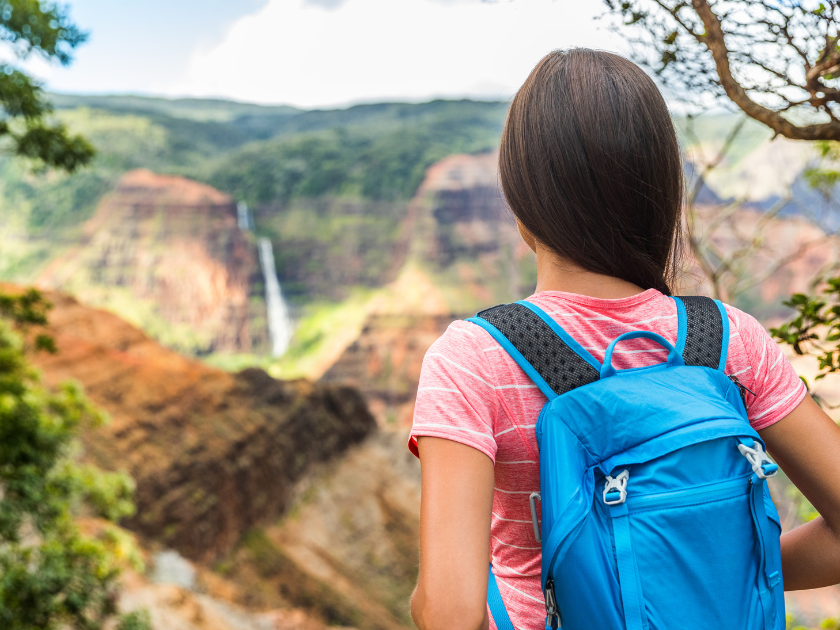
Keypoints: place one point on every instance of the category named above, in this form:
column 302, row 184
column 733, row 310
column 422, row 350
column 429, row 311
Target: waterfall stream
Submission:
column 279, row 322
column 244, row 216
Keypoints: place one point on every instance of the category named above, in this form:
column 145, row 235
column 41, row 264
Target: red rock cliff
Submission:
column 166, row 253
column 213, row 453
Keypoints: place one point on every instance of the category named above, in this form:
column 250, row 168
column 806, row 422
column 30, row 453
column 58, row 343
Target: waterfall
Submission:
column 244, row 217
column 279, row 322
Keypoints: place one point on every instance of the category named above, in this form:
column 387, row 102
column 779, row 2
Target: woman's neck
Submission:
column 559, row 274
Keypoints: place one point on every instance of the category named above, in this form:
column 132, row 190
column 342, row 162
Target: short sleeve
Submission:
column 456, row 397
column 761, row 366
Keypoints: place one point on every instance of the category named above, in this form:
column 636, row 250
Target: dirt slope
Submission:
column 213, row 454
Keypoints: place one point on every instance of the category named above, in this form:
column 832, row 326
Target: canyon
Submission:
column 295, row 511
column 295, row 503
column 213, row 454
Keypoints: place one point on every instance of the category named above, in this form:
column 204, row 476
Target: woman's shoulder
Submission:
column 749, row 344
column 456, row 396
column 745, row 330
column 461, row 354
column 462, row 339
column 774, row 388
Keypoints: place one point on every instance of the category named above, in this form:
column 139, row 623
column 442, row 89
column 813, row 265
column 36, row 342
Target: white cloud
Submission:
column 326, row 4
column 324, row 52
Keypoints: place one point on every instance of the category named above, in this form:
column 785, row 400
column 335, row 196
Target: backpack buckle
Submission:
column 615, row 489
column 761, row 463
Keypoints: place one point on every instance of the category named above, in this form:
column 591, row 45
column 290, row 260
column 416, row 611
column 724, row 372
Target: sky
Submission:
column 320, row 53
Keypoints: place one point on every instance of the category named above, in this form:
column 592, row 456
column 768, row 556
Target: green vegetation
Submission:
column 324, row 329
column 198, row 109
column 136, row 620
column 828, row 624
column 815, row 327
column 322, row 332
column 324, row 246
column 379, row 157
column 329, row 188
column 51, row 574
column 42, row 29
column 278, row 159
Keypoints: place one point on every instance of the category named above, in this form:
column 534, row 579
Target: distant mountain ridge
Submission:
column 199, row 109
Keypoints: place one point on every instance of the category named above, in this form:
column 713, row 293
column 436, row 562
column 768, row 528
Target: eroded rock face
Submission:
column 347, row 552
column 213, row 454
column 166, row 253
column 462, row 228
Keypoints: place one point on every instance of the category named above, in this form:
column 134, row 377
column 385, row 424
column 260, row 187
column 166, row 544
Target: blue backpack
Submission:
column 655, row 510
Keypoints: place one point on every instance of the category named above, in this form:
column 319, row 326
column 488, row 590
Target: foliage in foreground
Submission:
column 828, row 624
column 52, row 575
column 43, row 29
column 815, row 327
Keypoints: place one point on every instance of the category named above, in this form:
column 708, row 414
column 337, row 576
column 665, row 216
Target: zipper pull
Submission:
column 552, row 616
column 743, row 388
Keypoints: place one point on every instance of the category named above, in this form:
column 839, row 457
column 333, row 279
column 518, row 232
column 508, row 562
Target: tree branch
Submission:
column 715, row 42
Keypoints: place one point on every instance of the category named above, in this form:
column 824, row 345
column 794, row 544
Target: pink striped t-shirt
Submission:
column 472, row 392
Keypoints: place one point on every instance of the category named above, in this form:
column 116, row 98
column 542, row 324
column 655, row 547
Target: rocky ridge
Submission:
column 166, row 254
column 213, row 454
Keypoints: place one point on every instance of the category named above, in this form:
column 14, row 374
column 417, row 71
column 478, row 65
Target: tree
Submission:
column 52, row 575
column 779, row 62
column 37, row 28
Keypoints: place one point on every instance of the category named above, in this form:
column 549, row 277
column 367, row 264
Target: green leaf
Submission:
column 51, row 574
column 53, row 146
column 42, row 27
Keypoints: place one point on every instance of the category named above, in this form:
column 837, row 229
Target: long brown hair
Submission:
column 590, row 165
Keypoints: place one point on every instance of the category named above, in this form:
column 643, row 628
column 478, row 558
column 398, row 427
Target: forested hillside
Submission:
column 261, row 155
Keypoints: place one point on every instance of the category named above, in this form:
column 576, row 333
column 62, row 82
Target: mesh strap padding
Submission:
column 704, row 332
column 560, row 366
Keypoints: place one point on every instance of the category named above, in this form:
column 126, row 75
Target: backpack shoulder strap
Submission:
column 496, row 605
column 703, row 331
column 547, row 353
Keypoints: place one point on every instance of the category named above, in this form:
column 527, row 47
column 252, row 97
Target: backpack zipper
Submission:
column 741, row 387
column 551, row 612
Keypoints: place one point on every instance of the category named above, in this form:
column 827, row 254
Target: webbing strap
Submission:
column 547, row 353
column 765, row 582
column 628, row 575
column 557, row 363
column 703, row 331
column 496, row 605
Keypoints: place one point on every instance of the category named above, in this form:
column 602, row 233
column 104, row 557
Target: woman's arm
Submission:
column 455, row 506
column 806, row 444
